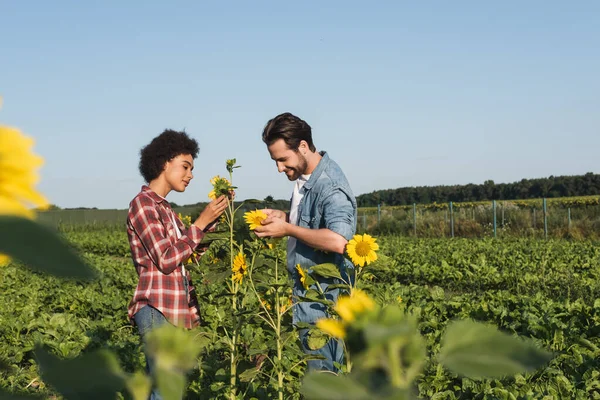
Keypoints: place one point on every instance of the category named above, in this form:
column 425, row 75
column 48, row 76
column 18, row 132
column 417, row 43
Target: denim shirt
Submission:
column 327, row 202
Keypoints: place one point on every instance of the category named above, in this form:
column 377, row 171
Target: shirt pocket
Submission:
column 307, row 221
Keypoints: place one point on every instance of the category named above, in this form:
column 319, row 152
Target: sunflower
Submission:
column 254, row 218
column 239, row 268
column 302, row 274
column 286, row 306
column 265, row 304
column 362, row 249
column 347, row 307
column 186, row 219
column 332, row 327
column 18, row 176
column 220, row 186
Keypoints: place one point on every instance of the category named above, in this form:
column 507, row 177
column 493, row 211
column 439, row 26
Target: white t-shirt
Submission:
column 177, row 231
column 296, row 197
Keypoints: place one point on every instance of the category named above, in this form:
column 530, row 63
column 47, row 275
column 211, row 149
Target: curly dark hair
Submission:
column 163, row 148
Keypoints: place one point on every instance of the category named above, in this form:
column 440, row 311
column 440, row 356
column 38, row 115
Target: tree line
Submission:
column 553, row 186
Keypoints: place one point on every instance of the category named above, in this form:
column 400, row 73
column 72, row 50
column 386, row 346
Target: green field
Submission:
column 545, row 290
column 565, row 217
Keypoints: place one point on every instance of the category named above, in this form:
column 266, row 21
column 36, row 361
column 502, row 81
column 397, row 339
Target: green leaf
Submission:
column 319, row 385
column 11, row 396
column 377, row 334
column 139, row 386
column 480, row 351
column 174, row 348
column 317, row 339
column 4, row 366
column 249, row 374
column 91, row 376
column 170, row 384
column 337, row 286
column 217, row 277
column 41, row 249
column 212, row 236
column 315, row 300
column 327, row 270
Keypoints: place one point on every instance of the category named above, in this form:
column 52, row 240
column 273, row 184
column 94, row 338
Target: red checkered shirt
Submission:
column 158, row 256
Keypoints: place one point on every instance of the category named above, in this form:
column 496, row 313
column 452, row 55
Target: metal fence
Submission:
column 485, row 219
column 569, row 217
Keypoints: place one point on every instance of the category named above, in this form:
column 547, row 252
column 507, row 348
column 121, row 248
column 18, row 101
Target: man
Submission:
column 321, row 220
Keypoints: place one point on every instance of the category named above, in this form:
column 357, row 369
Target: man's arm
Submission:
column 338, row 212
column 321, row 239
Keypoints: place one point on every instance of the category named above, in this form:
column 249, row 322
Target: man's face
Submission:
column 292, row 162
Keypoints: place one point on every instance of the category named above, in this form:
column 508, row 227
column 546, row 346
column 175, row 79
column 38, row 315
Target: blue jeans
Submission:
column 310, row 312
column 147, row 319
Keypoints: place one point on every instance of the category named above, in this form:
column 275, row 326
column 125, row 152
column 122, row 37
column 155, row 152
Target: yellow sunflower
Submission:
column 220, row 186
column 254, row 218
column 286, row 306
column 362, row 249
column 332, row 327
column 348, row 307
column 186, row 219
column 18, row 176
column 302, row 274
column 239, row 268
column 265, row 304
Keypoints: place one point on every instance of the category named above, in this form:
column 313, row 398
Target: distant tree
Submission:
column 553, row 186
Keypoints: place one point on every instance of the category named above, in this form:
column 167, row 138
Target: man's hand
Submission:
column 276, row 214
column 273, row 226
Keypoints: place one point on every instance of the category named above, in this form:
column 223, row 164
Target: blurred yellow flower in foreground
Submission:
column 332, row 327
column 348, row 308
column 18, row 176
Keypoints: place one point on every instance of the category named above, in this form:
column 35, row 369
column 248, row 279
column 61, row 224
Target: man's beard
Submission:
column 300, row 169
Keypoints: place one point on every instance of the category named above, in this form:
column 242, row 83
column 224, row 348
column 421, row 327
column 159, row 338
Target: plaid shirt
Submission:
column 158, row 256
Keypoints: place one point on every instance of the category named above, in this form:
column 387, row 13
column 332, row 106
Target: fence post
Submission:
column 534, row 220
column 494, row 211
column 569, row 218
column 545, row 219
column 378, row 213
column 415, row 218
column 451, row 220
column 503, row 204
column 365, row 222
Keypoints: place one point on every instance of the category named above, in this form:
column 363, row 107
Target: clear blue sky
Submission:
column 399, row 93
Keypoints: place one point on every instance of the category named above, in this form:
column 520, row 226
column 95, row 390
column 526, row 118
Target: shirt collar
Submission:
column 153, row 195
column 323, row 163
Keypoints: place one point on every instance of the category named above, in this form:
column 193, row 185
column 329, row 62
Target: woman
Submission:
column 159, row 242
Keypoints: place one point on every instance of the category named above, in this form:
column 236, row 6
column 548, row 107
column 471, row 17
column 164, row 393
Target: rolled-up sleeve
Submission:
column 339, row 213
